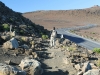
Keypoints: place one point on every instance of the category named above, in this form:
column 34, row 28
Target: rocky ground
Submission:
column 55, row 61
column 55, row 64
column 66, row 59
column 58, row 61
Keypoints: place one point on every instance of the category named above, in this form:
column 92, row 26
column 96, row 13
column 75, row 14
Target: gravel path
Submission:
column 54, row 64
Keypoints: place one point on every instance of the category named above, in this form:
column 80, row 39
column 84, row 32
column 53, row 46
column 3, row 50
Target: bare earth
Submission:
column 67, row 18
column 55, row 64
column 92, row 33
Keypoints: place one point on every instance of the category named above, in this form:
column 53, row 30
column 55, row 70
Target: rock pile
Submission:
column 79, row 57
column 12, row 44
column 32, row 66
column 29, row 65
column 87, row 69
column 10, row 70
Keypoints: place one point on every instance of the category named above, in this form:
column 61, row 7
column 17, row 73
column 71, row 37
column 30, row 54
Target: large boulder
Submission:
column 86, row 67
column 93, row 66
column 31, row 66
column 10, row 70
column 92, row 72
column 12, row 43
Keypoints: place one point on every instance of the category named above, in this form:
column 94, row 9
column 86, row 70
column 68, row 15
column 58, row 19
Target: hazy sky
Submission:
column 34, row 5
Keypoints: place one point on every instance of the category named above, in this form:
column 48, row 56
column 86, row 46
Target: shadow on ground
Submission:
column 59, row 72
column 71, row 38
column 44, row 55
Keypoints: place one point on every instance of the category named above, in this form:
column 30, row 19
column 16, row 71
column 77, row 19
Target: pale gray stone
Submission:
column 32, row 65
column 86, row 67
column 10, row 70
column 12, row 43
column 92, row 72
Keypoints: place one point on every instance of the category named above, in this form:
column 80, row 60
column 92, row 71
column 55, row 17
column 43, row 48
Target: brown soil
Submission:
column 68, row 18
column 65, row 18
column 92, row 33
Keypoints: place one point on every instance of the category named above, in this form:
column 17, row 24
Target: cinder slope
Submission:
column 65, row 18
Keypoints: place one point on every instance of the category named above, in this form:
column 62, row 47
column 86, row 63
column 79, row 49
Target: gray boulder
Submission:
column 92, row 72
column 12, row 43
column 10, row 70
column 86, row 67
column 31, row 65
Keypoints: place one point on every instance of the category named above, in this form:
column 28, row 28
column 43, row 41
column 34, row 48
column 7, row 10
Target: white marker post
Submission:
column 10, row 28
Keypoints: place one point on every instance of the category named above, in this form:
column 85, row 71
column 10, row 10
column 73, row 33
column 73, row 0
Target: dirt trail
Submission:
column 54, row 63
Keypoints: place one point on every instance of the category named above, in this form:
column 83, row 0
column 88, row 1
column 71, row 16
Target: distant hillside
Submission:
column 65, row 18
column 19, row 23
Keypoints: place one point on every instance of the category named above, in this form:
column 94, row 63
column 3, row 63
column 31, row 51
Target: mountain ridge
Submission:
column 65, row 18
